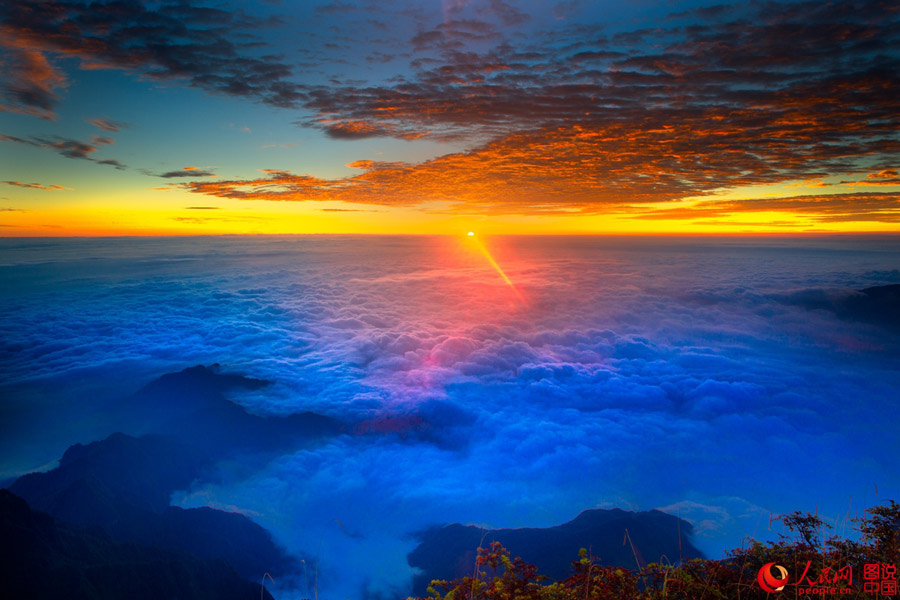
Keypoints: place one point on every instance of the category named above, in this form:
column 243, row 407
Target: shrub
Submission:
column 834, row 563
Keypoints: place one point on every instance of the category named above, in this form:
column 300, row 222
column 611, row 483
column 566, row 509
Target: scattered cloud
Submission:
column 204, row 46
column 38, row 186
column 188, row 172
column 112, row 163
column 102, row 140
column 884, row 177
column 69, row 148
column 357, row 130
column 106, row 124
column 31, row 82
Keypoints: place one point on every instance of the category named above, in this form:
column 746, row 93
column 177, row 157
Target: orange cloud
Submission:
column 884, row 177
column 877, row 207
column 106, row 124
column 37, row 186
column 31, row 82
column 573, row 168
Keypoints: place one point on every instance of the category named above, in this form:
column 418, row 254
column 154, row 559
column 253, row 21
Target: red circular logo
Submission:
column 768, row 581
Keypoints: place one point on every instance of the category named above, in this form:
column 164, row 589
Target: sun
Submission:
column 471, row 234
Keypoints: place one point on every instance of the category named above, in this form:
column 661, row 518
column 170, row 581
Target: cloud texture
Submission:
column 582, row 119
column 700, row 376
column 202, row 45
column 539, row 109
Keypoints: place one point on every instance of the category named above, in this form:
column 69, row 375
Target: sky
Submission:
column 717, row 379
column 440, row 117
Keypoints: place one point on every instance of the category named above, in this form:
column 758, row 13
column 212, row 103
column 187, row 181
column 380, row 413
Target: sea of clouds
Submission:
column 698, row 376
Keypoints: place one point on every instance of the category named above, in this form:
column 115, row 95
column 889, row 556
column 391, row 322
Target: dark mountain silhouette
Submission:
column 42, row 558
column 879, row 305
column 122, row 485
column 192, row 405
column 449, row 552
column 97, row 477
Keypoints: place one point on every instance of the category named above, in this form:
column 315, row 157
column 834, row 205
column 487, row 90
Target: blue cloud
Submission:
column 693, row 376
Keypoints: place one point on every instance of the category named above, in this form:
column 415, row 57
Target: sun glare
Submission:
column 487, row 255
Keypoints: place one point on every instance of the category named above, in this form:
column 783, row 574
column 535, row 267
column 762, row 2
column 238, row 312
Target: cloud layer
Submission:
column 629, row 372
column 564, row 113
column 579, row 119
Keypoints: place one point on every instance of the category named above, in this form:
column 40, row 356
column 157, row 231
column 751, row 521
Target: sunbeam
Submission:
column 472, row 239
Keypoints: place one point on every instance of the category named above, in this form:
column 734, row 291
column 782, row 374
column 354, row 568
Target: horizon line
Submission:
column 464, row 234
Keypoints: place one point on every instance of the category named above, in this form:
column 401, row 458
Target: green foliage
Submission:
column 809, row 561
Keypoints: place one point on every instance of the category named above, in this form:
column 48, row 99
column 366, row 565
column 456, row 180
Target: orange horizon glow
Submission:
column 81, row 227
column 180, row 213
